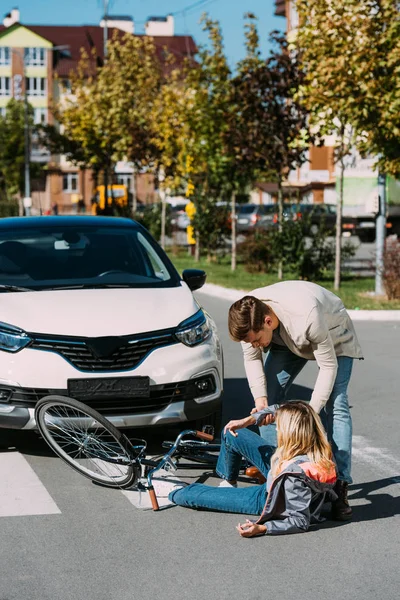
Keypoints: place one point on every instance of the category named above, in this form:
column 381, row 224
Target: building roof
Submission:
column 88, row 37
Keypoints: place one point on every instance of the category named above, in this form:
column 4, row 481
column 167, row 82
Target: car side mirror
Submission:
column 194, row 278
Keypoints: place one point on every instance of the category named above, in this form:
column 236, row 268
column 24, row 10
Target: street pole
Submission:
column 27, row 198
column 380, row 235
column 105, row 29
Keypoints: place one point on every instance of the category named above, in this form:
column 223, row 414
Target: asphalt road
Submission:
column 92, row 544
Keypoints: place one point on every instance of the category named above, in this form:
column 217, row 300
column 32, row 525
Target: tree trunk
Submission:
column 280, row 223
column 233, row 222
column 134, row 191
column 163, row 217
column 197, row 247
column 106, row 190
column 339, row 212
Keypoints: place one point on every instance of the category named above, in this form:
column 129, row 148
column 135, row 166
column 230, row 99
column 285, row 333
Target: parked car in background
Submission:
column 179, row 218
column 366, row 225
column 253, row 217
column 92, row 308
column 319, row 215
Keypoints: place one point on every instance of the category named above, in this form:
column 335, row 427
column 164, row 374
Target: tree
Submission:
column 268, row 132
column 191, row 117
column 108, row 117
column 12, row 154
column 350, row 52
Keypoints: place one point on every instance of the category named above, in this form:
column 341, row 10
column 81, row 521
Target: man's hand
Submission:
column 232, row 426
column 260, row 403
column 250, row 529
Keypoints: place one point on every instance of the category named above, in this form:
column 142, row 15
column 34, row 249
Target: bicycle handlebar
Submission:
column 204, row 436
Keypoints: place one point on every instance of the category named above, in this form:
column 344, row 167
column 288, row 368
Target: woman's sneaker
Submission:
column 226, row 484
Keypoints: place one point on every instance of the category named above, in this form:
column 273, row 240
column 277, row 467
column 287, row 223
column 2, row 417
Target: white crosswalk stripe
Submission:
column 21, row 491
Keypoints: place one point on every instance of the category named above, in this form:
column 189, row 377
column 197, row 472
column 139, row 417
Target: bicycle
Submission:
column 93, row 446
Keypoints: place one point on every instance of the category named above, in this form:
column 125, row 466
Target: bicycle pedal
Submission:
column 209, row 429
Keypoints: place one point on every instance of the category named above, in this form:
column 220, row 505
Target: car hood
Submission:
column 97, row 312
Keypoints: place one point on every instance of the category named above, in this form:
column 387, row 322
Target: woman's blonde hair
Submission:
column 300, row 431
column 245, row 315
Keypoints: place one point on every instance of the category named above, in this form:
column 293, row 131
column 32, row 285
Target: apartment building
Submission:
column 38, row 60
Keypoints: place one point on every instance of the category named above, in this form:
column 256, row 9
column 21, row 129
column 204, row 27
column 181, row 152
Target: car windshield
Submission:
column 70, row 256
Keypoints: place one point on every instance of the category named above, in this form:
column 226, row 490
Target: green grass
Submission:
column 354, row 291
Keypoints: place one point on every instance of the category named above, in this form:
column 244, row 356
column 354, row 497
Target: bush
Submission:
column 304, row 254
column 211, row 222
column 150, row 217
column 8, row 208
column 256, row 252
column 391, row 268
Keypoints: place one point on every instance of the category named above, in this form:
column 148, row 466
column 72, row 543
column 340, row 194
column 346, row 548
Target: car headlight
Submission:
column 12, row 339
column 194, row 330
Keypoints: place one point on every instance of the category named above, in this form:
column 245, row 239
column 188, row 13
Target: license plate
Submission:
column 109, row 387
column 243, row 221
column 367, row 224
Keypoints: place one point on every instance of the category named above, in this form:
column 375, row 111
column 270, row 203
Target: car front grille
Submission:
column 104, row 354
column 160, row 396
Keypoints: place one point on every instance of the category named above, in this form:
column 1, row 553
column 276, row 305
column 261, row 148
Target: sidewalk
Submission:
column 357, row 315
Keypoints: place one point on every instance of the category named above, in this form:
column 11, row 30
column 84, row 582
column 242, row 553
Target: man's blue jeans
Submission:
column 281, row 368
column 248, row 500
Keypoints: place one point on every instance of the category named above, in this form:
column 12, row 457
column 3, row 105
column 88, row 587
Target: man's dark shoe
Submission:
column 341, row 511
column 254, row 473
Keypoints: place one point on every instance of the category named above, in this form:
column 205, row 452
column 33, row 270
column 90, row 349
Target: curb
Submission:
column 356, row 315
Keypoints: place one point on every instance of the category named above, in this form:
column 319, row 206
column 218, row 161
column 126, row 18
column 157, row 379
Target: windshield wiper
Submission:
column 15, row 288
column 88, row 286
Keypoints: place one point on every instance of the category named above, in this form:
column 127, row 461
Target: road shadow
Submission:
column 238, row 402
column 380, row 505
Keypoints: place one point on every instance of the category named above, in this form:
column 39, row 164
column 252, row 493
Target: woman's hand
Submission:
column 250, row 529
column 232, row 426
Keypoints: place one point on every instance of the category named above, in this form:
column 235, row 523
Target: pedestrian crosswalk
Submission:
column 23, row 493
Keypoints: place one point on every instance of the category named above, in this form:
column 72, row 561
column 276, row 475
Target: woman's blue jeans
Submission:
column 248, row 500
column 281, row 368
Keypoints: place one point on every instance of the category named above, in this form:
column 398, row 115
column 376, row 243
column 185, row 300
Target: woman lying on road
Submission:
column 300, row 473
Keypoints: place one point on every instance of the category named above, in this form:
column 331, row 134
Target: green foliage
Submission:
column 211, row 221
column 268, row 128
column 8, row 207
column 309, row 258
column 150, row 217
column 12, row 148
column 350, row 51
column 109, row 118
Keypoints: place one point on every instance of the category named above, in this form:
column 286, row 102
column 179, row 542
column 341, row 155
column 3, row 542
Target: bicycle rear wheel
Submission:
column 87, row 441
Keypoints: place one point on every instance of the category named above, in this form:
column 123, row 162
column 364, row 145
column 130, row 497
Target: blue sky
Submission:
column 228, row 12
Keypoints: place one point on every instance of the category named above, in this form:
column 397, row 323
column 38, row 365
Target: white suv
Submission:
column 92, row 308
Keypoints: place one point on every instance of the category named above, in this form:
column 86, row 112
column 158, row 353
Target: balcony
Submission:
column 280, row 8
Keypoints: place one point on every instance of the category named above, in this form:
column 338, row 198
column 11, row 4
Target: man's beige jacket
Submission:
column 315, row 325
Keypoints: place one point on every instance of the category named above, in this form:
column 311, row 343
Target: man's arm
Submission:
column 254, row 367
column 325, row 356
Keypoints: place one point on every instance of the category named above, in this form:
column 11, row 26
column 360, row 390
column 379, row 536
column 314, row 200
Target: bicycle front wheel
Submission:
column 87, row 441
